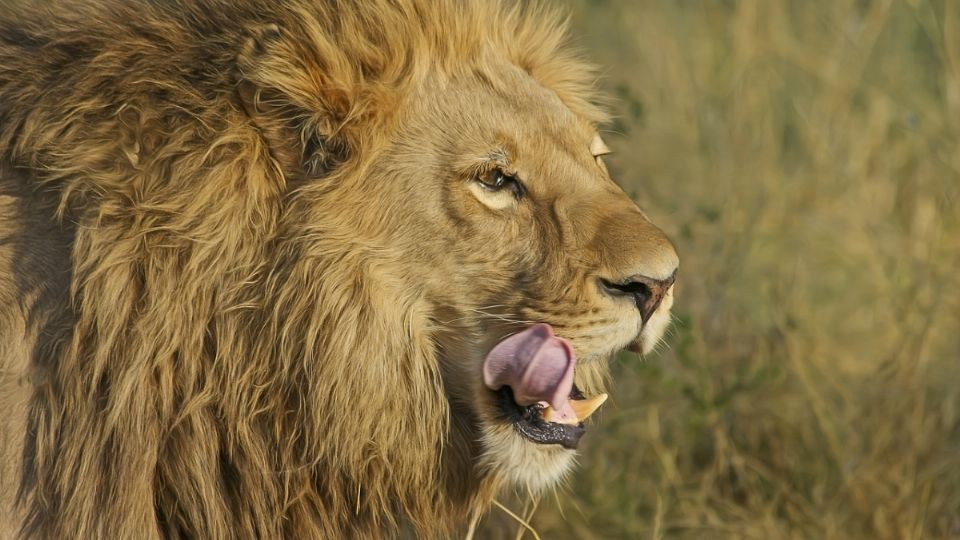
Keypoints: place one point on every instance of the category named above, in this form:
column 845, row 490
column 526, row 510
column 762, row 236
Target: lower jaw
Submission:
column 513, row 461
column 530, row 425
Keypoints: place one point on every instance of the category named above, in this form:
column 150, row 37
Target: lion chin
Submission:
column 530, row 466
column 303, row 269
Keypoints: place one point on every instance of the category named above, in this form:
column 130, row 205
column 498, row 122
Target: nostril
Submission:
column 630, row 288
column 645, row 292
column 611, row 288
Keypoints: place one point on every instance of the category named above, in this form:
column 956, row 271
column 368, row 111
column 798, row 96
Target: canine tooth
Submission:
column 551, row 415
column 585, row 407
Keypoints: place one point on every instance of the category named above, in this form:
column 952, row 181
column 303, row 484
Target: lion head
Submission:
column 336, row 268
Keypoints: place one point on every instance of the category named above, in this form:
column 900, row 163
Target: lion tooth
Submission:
column 585, row 407
column 551, row 415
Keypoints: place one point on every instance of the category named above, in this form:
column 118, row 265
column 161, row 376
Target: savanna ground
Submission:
column 804, row 157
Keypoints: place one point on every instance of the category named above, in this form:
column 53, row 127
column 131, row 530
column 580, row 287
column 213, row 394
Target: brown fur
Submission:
column 248, row 293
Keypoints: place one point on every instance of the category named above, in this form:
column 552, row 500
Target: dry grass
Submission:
column 804, row 157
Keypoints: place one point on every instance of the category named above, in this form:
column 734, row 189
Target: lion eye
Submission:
column 497, row 180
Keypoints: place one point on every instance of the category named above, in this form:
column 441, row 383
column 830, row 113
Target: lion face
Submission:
column 516, row 220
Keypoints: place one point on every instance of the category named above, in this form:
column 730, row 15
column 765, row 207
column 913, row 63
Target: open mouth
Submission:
column 531, row 373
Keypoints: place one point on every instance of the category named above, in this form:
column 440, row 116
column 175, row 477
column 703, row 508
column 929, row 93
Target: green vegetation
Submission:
column 804, row 157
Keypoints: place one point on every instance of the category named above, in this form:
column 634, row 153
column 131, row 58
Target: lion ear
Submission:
column 298, row 109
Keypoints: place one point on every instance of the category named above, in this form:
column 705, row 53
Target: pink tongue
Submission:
column 535, row 364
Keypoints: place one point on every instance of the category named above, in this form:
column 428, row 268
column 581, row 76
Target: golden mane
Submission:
column 193, row 375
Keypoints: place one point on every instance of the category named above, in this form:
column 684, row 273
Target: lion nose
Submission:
column 646, row 292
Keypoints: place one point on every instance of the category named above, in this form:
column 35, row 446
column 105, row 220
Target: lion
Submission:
column 303, row 269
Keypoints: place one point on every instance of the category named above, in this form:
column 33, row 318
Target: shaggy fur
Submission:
column 245, row 292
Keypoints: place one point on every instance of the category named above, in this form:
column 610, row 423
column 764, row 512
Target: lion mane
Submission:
column 164, row 172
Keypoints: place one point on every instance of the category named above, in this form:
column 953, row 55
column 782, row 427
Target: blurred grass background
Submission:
column 804, row 158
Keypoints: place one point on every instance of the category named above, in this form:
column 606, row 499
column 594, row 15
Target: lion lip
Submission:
column 635, row 346
column 529, row 420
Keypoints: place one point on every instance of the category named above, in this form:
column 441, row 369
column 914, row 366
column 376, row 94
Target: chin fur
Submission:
column 521, row 463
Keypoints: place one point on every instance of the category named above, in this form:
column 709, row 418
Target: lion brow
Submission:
column 498, row 156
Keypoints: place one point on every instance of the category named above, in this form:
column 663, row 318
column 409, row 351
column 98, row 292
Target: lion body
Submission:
column 205, row 333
